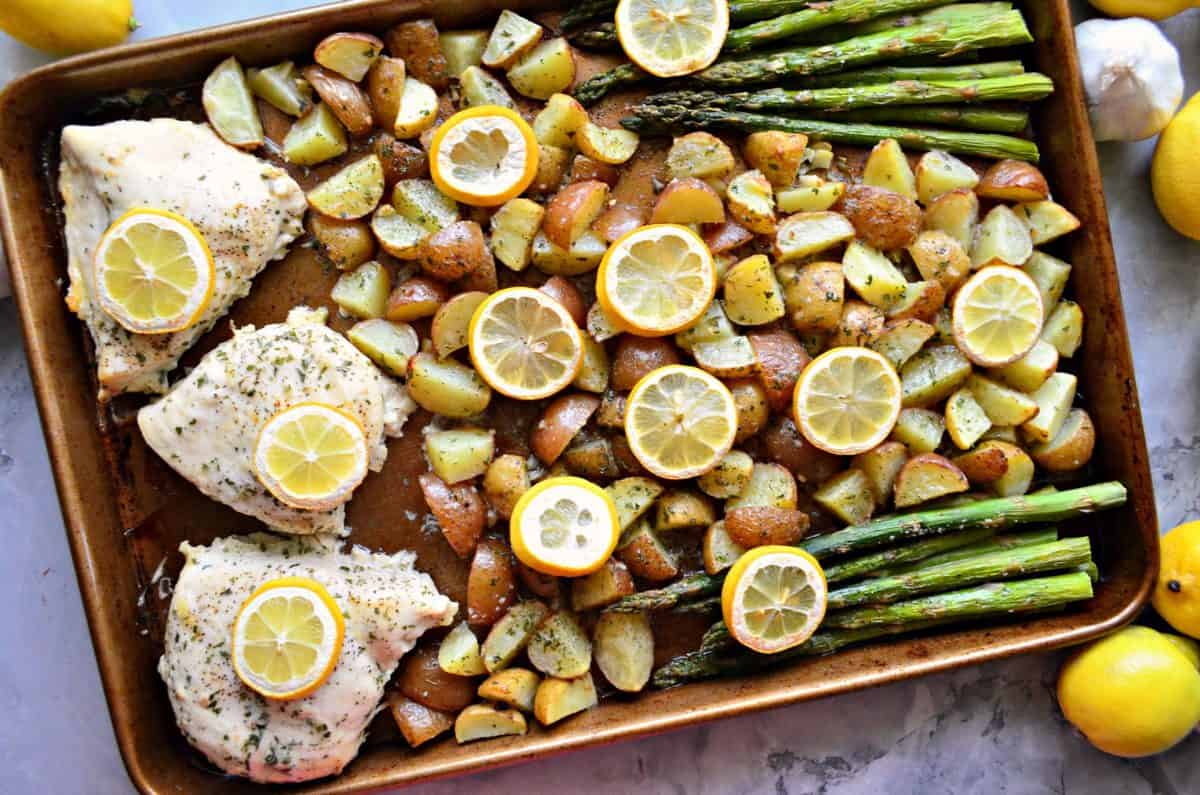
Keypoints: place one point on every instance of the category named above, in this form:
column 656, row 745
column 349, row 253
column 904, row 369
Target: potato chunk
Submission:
column 515, row 687
column 315, row 137
column 633, row 497
column 811, row 194
column 753, row 297
column 559, row 121
column 752, row 202
column 419, row 45
column 484, row 721
column 418, row 723
column 560, row 698
column 1031, row 370
column 882, row 218
column 720, row 551
column 1002, row 405
column 920, row 430
column 1013, row 181
column 681, row 509
column 509, row 636
column 939, row 257
column 352, row 192
column 848, row 496
column 813, row 294
column 506, row 479
column 459, row 652
column 1071, row 447
column 778, row 155
column 545, row 70
column 363, row 292
column 418, row 109
column 966, row 420
column 938, row 173
column 480, row 87
column 572, row 210
column 612, row 145
column 933, row 374
column 1064, row 328
column 880, row 465
column 415, row 298
column 1002, row 239
column 281, row 86
column 625, row 649
column 956, row 213
column 872, row 275
column 729, row 477
column 390, row 345
column 644, row 553
column 701, row 155
column 887, row 167
column 559, row 647
column 459, row 454
column 804, row 234
column 688, row 201
column 1053, row 399
column 462, row 48
column 348, row 54
column 452, row 322
column 512, row 37
column 926, row 477
column 1047, row 220
column 602, row 587
column 446, row 386
column 901, row 339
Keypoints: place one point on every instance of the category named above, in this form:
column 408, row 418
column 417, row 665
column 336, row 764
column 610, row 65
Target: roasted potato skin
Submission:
column 418, row 723
column 637, row 357
column 756, row 526
column 780, row 360
column 783, row 444
column 1013, row 180
column 506, row 479
column 459, row 510
column 491, row 583
column 346, row 244
column 750, row 400
column 418, row 45
column 561, row 420
column 415, row 298
column 424, row 681
column 566, row 293
column 814, row 294
column 344, row 98
column 455, row 251
column 859, row 325
column 726, row 236
column 584, row 168
column 400, row 160
column 882, row 218
column 618, row 221
column 537, row 583
column 572, row 210
column 385, row 86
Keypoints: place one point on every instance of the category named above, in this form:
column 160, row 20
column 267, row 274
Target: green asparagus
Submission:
column 891, row 74
column 1001, row 564
column 583, row 13
column 963, row 117
column 995, row 514
column 915, row 553
column 818, row 16
column 710, row 604
column 598, row 38
column 652, row 120
column 1008, row 541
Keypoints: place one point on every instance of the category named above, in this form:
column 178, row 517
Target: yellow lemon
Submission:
column 311, row 456
column 483, row 156
column 1189, row 647
column 564, row 526
column 1175, row 172
column 669, row 38
column 1151, row 9
column 680, row 421
column 524, row 343
column 847, row 400
column 63, row 27
column 1132, row 693
column 997, row 316
column 1177, row 594
column 774, row 598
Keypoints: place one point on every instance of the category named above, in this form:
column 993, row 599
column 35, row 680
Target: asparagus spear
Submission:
column 1004, row 563
column 716, row 637
column 817, row 16
column 1027, row 86
column 995, row 514
column 917, row 551
column 656, row 119
column 991, row 544
column 963, row 117
column 891, row 74
column 583, row 13
column 598, row 38
column 710, row 604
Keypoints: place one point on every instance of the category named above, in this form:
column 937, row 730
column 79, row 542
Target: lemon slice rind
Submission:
column 997, row 316
column 764, row 606
column 525, row 344
column 285, row 452
column 680, row 421
column 484, row 156
column 847, row 400
column 670, row 38
column 564, row 526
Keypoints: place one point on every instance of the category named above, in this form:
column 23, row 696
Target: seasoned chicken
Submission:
column 207, row 425
column 247, row 210
column 387, row 604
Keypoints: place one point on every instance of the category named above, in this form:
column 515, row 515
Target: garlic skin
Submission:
column 1132, row 77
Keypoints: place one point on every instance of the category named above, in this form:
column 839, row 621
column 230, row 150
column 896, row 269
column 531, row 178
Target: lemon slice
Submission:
column 669, row 38
column 656, row 280
column 483, row 156
column 311, row 456
column 564, row 526
column 774, row 598
column 680, row 421
column 997, row 316
column 524, row 343
column 847, row 400
column 287, row 638
column 154, row 272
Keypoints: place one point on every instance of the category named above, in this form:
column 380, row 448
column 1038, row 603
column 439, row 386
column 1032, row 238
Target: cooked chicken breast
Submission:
column 247, row 210
column 388, row 605
column 207, row 425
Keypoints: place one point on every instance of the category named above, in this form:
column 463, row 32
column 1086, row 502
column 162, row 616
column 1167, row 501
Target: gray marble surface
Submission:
column 990, row 729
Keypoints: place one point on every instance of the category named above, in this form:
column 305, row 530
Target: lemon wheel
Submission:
column 154, row 272
column 483, row 156
column 656, row 280
column 680, row 421
column 669, row 38
column 287, row 638
column 311, row 456
column 564, row 526
column 847, row 400
column 524, row 343
column 997, row 316
column 774, row 598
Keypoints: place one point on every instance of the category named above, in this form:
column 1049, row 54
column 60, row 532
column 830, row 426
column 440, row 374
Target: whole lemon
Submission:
column 1189, row 647
column 62, row 27
column 1151, row 9
column 1175, row 172
column 1132, row 693
column 1177, row 594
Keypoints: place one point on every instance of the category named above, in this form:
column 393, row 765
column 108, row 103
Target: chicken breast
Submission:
column 387, row 604
column 247, row 210
column 207, row 425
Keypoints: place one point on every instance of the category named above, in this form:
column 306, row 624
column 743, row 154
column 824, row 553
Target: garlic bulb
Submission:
column 1132, row 77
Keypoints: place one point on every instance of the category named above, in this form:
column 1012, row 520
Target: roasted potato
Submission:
column 956, row 213
column 491, row 583
column 1002, row 239
column 514, row 226
column 461, row 49
column 583, row 255
column 346, row 244
column 505, row 480
column 363, row 292
column 454, row 251
column 611, row 413
column 939, row 257
column 778, row 155
column 509, row 636
column 882, row 218
column 1046, row 220
column 938, row 173
column 688, row 201
column 636, row 357
column 1029, row 372
column 732, row 357
column 720, row 551
column 584, row 168
column 1064, row 328
column 560, row 698
column 544, row 71
column 512, row 37
column 230, row 107
column 557, row 123
column 418, row 109
column 1050, row 274
column 752, row 202
column 347, row 101
column 600, row 326
column 537, row 583
column 811, row 194
column 1018, row 473
column 753, row 296
column 452, row 321
column 919, row 301
column 750, row 400
column 713, row 326
column 756, row 526
column 484, row 278
column 348, row 54
column 932, row 375
column 926, row 477
column 352, row 192
column 572, row 210
column 919, row 429
column 480, row 87
column 459, row 511
column 561, row 420
column 560, row 648
column 422, row 679
column 1053, row 398
column 385, row 89
column 459, row 654
column 612, row 145
column 986, row 462
column 419, row 45
column 724, row 237
column 1002, row 405
column 771, row 486
column 779, row 358
column 484, row 721
column 420, row 201
column 888, row 168
column 900, row 340
column 515, row 687
column 681, row 509
column 624, row 649
column 860, row 324
column 418, row 724
column 633, row 497
column 848, row 496
column 813, row 294
column 280, row 86
column 804, row 234
column 400, row 160
column 446, row 386
column 315, row 137
column 783, row 444
column 602, row 587
column 459, row 454
column 593, row 374
column 415, row 298
column 591, row 458
column 701, row 155
column 568, row 295
column 966, row 421
column 388, row 344
column 872, row 275
column 1013, row 181
column 397, row 235
column 643, row 552
column 880, row 465
column 1071, row 447
column 729, row 477
column 551, row 169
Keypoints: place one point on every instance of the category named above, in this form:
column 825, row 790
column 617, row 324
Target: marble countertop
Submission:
column 990, row 729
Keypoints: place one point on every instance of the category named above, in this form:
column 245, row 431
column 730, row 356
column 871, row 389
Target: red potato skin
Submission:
column 567, row 294
column 567, row 213
column 618, row 221
column 781, row 357
column 883, row 219
column 784, row 444
column 417, row 44
column 417, row 290
column 347, row 101
column 559, row 423
column 491, row 584
column 726, row 236
column 483, row 278
column 460, row 511
column 543, row 585
column 638, row 356
column 583, row 168
column 400, row 160
column 424, row 681
column 455, row 251
column 761, row 525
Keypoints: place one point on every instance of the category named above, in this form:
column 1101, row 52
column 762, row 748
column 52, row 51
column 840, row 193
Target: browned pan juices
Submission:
column 126, row 511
